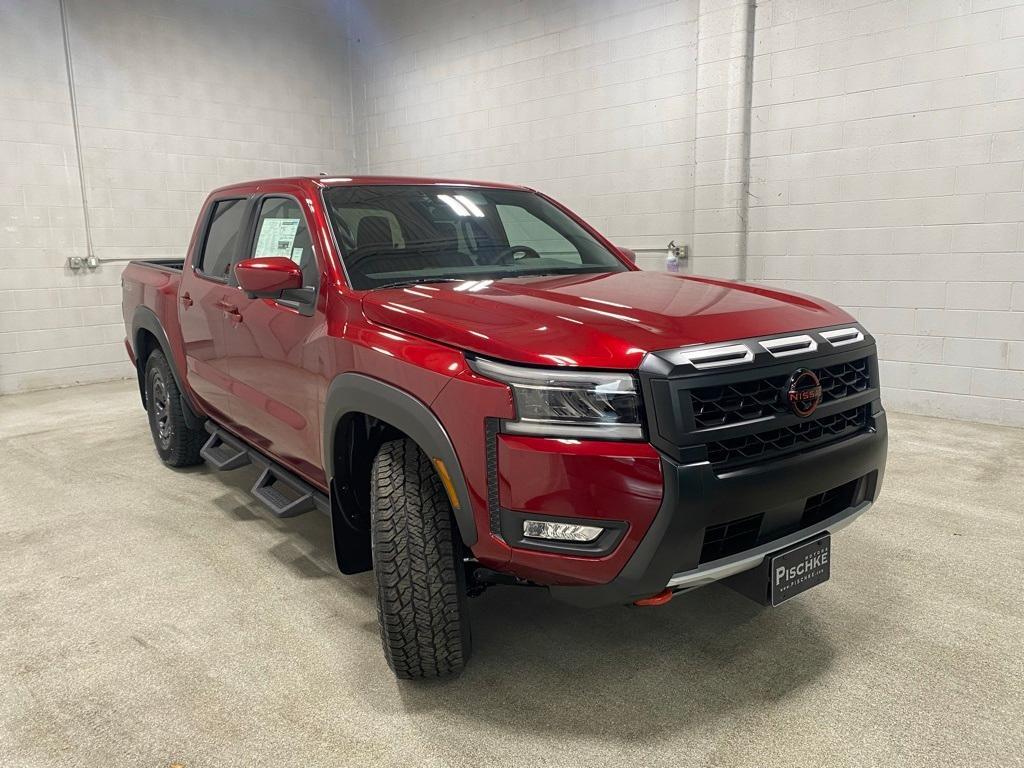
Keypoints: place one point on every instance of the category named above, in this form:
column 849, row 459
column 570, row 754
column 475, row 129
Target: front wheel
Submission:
column 177, row 444
column 417, row 560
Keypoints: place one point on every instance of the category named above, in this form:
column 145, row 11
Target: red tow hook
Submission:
column 659, row 599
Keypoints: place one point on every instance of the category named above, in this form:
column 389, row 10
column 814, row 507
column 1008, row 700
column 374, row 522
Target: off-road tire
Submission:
column 418, row 564
column 176, row 443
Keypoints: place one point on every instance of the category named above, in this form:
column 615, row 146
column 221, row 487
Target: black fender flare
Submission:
column 145, row 319
column 358, row 393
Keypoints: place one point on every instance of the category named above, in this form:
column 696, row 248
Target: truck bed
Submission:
column 151, row 286
column 171, row 265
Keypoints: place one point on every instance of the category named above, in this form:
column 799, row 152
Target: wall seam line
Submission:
column 748, row 100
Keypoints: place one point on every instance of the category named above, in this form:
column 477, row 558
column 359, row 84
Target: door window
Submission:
column 281, row 231
column 221, row 238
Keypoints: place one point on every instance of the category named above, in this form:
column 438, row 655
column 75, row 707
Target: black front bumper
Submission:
column 696, row 498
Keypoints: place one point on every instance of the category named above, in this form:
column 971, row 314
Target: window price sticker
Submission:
column 276, row 238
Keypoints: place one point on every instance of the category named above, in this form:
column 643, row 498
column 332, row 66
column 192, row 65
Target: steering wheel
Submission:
column 515, row 253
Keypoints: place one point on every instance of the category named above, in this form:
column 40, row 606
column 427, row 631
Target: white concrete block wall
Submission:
column 722, row 130
column 175, row 98
column 887, row 163
column 43, row 309
column 886, row 149
column 591, row 101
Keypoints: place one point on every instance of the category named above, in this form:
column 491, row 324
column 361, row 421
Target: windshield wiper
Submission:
column 548, row 271
column 500, row 275
column 419, row 281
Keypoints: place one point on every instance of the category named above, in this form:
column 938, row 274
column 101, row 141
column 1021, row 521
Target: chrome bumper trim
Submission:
column 744, row 561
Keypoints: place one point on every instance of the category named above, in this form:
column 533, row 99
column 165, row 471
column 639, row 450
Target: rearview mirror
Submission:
column 268, row 278
column 629, row 254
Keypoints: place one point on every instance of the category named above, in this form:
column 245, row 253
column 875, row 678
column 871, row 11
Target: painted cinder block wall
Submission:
column 879, row 163
column 592, row 102
column 174, row 99
column 887, row 162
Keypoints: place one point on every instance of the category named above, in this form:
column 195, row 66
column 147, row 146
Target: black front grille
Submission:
column 725, row 404
column 773, row 443
column 831, row 502
column 844, row 379
column 733, row 403
column 729, row 538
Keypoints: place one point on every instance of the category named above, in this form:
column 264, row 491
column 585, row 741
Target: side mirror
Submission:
column 268, row 278
column 629, row 254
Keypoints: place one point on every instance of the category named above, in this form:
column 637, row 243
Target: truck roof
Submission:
column 341, row 180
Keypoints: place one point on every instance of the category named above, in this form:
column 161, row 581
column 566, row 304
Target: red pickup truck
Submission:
column 478, row 388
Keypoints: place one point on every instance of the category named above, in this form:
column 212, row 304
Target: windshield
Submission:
column 390, row 235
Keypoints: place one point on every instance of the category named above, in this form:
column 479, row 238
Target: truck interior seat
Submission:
column 374, row 233
column 374, row 230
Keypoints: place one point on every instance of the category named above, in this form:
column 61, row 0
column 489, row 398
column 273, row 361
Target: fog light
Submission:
column 539, row 529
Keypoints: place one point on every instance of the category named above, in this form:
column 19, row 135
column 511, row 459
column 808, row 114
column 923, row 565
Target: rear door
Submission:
column 205, row 302
column 276, row 346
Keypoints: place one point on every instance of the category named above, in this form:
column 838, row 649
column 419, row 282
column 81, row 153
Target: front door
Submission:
column 276, row 346
column 204, row 303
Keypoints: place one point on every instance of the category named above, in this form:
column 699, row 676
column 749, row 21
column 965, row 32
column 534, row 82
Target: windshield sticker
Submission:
column 297, row 255
column 276, row 238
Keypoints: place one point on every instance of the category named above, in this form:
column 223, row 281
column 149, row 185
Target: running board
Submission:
column 283, row 496
column 222, row 451
column 280, row 491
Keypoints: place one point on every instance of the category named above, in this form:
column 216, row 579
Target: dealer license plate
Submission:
column 797, row 570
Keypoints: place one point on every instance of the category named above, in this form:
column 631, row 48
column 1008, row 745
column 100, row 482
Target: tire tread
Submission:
column 186, row 443
column 421, row 596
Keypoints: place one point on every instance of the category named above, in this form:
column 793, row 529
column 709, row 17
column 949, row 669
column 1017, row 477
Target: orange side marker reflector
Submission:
column 446, row 481
column 659, row 599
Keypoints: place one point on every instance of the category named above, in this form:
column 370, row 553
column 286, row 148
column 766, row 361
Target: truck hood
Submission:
column 593, row 321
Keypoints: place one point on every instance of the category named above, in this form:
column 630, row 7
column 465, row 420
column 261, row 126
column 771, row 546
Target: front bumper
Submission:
column 717, row 570
column 696, row 498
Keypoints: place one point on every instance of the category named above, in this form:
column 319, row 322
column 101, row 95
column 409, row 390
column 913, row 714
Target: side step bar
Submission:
column 222, row 451
column 284, row 496
column 279, row 490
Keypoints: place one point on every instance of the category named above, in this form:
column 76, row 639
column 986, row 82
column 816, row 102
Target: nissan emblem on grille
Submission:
column 802, row 392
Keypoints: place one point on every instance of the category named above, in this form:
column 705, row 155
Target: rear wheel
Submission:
column 417, row 560
column 177, row 444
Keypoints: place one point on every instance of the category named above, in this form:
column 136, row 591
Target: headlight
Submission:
column 568, row 403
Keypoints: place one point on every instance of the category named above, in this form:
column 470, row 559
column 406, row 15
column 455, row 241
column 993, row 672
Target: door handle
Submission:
column 230, row 309
column 186, row 300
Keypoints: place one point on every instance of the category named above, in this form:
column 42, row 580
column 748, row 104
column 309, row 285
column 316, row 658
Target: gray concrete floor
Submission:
column 152, row 616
